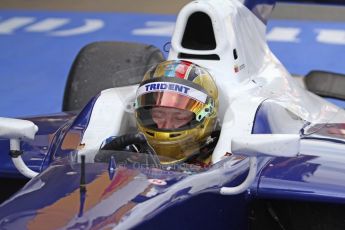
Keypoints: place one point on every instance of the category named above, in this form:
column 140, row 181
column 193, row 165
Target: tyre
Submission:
column 103, row 65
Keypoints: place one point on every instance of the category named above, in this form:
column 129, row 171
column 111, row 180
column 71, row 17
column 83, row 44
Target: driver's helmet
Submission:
column 181, row 85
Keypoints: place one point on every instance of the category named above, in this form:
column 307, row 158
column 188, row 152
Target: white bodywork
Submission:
column 263, row 76
column 260, row 77
column 111, row 116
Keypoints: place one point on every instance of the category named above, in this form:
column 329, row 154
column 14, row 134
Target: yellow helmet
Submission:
column 181, row 85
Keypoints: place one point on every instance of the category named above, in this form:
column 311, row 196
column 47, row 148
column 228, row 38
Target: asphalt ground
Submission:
column 142, row 6
column 282, row 10
column 35, row 61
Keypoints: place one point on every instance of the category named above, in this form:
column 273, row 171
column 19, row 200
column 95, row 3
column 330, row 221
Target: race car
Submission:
column 278, row 163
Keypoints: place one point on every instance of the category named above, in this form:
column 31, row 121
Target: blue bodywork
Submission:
column 304, row 177
column 124, row 195
column 130, row 196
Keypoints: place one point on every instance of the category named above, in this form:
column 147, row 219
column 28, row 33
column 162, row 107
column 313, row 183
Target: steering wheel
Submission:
column 121, row 142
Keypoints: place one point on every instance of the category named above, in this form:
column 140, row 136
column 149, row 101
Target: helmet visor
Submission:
column 169, row 99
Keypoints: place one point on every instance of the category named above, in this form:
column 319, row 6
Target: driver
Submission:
column 176, row 109
column 176, row 112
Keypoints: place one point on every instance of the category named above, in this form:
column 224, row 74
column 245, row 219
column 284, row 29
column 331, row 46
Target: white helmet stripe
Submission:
column 172, row 87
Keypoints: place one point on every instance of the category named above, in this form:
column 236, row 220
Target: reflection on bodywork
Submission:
column 71, row 141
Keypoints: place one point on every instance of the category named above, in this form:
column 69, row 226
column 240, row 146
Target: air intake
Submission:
column 199, row 34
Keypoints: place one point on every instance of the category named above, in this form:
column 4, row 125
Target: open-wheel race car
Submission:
column 278, row 163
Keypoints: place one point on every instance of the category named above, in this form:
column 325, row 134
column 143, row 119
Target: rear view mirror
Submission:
column 284, row 145
column 254, row 145
column 17, row 129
